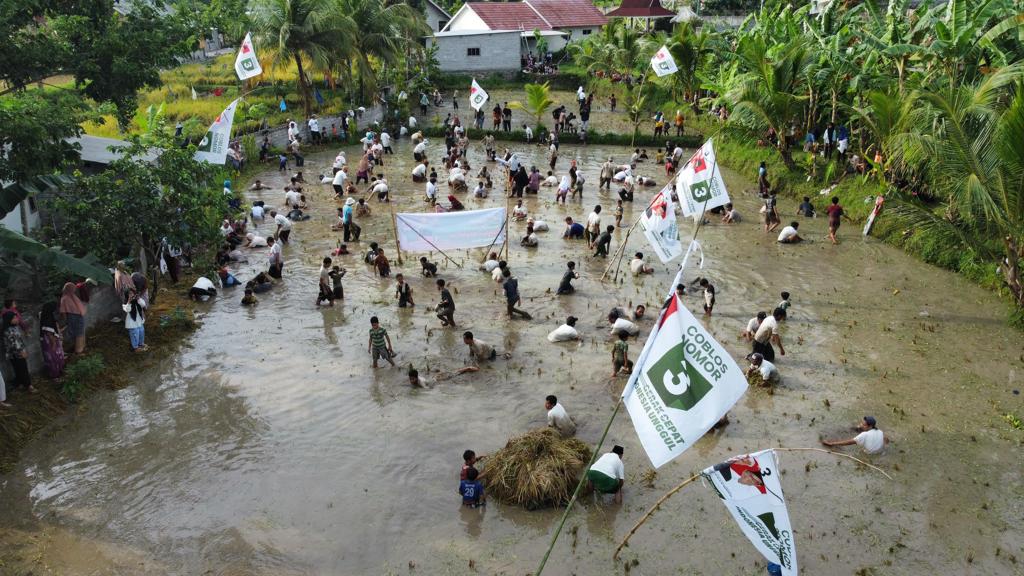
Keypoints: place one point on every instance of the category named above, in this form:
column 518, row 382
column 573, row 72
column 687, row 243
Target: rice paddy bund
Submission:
column 269, row 446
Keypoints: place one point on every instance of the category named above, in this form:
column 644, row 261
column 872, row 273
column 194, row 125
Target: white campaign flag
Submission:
column 682, row 383
column 422, row 232
column 700, row 185
column 477, row 96
column 749, row 487
column 246, row 63
column 214, row 146
column 659, row 225
column 663, row 63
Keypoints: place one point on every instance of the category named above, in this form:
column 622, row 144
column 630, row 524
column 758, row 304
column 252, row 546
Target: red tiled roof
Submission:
column 508, row 16
column 569, row 13
column 640, row 9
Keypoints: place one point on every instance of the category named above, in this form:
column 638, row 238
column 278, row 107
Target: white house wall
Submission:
column 498, row 52
column 465, row 20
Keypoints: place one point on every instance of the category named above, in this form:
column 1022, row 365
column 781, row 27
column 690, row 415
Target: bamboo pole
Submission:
column 684, row 483
column 579, row 485
column 394, row 228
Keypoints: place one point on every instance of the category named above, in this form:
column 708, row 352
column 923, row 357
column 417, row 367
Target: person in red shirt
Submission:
column 835, row 212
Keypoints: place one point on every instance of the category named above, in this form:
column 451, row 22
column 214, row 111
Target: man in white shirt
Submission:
column 292, row 198
column 385, row 143
column 420, row 151
column 769, row 373
column 752, row 325
column 767, row 334
column 339, row 161
column 275, row 257
column 491, row 263
column 871, row 440
column 638, row 266
column 412, row 122
column 789, row 234
column 419, row 173
column 558, row 418
column 257, row 214
column 608, row 474
column 314, row 129
column 202, row 290
column 593, row 227
column 620, row 324
column 565, row 332
column 381, row 190
column 529, row 133
column 339, row 181
column 284, row 226
column 431, row 191
column 253, row 240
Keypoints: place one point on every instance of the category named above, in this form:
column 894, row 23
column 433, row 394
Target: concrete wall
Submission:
column 12, row 220
column 498, row 52
column 435, row 18
column 104, row 304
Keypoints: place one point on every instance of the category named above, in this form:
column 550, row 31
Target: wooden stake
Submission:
column 394, row 228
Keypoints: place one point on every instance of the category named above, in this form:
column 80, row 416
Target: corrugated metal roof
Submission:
column 569, row 13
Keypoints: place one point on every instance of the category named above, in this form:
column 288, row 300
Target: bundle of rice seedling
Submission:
column 536, row 470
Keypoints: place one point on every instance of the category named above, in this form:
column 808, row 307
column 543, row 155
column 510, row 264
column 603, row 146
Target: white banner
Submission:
column 663, row 63
column 214, row 146
column 700, row 181
column 422, row 232
column 659, row 225
column 246, row 63
column 477, row 96
column 749, row 487
column 682, row 384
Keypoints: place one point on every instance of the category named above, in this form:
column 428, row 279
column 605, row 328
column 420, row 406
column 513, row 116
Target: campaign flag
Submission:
column 682, row 383
column 477, row 96
column 214, row 147
column 700, row 186
column 659, row 225
column 319, row 97
column 749, row 487
column 194, row 95
column 426, row 231
column 282, row 105
column 663, row 63
column 246, row 63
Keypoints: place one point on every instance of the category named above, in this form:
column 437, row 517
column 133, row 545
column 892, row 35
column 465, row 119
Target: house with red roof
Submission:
column 491, row 26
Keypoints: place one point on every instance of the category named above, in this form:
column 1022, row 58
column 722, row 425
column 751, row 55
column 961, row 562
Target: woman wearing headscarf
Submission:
column 51, row 341
column 135, row 320
column 73, row 310
column 14, row 344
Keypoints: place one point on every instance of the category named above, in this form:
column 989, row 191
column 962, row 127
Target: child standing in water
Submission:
column 403, row 292
column 709, row 296
column 784, row 305
column 379, row 343
column 336, row 275
column 618, row 214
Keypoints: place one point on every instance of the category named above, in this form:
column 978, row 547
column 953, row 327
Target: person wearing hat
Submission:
column 871, row 440
column 769, row 373
column 351, row 229
column 608, row 474
column 565, row 332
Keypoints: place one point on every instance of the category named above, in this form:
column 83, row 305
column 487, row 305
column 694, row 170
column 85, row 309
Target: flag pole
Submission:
column 579, row 485
column 394, row 228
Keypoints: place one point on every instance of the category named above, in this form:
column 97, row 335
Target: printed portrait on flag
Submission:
column 750, row 488
column 659, row 225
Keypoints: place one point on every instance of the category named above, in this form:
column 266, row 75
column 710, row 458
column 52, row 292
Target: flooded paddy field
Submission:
column 269, row 445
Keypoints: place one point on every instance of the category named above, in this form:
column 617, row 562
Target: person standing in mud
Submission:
column 445, row 308
column 767, row 334
column 511, row 287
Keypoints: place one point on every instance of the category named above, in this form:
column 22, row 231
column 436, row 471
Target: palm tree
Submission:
column 310, row 33
column 968, row 140
column 385, row 28
column 538, row 102
column 771, row 93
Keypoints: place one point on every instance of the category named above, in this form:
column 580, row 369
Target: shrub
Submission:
column 80, row 374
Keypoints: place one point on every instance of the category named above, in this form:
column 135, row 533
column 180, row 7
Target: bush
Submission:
column 80, row 374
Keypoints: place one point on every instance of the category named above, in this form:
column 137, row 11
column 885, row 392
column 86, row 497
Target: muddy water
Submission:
column 270, row 446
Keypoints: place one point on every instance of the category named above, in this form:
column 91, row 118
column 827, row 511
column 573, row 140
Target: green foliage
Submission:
column 136, row 203
column 80, row 374
column 33, row 129
column 179, row 318
column 538, row 102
